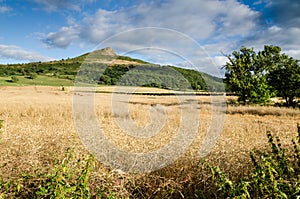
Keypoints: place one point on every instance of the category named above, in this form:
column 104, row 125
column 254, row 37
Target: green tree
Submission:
column 246, row 75
column 32, row 76
column 285, row 79
column 14, row 79
column 105, row 79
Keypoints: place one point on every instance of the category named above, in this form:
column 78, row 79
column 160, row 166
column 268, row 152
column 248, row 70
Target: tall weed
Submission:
column 276, row 173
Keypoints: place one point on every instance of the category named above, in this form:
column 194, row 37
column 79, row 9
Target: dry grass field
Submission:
column 38, row 128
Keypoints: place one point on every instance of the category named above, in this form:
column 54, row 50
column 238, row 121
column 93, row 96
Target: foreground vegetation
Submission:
column 274, row 174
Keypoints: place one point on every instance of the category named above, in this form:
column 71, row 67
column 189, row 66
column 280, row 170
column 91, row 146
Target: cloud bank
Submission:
column 206, row 21
column 4, row 9
column 17, row 53
column 58, row 5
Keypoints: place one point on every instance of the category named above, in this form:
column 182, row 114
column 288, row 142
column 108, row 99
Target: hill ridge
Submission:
column 108, row 69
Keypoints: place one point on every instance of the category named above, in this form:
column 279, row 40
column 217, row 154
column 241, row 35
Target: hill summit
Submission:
column 108, row 51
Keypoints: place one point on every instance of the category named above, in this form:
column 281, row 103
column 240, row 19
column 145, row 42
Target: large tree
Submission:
column 285, row 79
column 255, row 77
column 246, row 75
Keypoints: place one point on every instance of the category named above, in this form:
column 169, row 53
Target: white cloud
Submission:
column 287, row 38
column 103, row 25
column 4, row 9
column 285, row 28
column 17, row 53
column 63, row 37
column 293, row 53
column 55, row 5
column 200, row 19
column 62, row 5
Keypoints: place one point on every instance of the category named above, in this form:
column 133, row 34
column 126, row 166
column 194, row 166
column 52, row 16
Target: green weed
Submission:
column 69, row 178
column 276, row 173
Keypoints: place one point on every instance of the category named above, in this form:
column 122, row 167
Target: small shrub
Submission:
column 14, row 79
column 70, row 178
column 276, row 173
column 32, row 76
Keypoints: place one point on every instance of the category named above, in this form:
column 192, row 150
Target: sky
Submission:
column 191, row 33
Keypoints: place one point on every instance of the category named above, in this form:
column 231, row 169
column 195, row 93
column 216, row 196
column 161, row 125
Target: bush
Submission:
column 68, row 179
column 14, row 79
column 276, row 173
column 32, row 76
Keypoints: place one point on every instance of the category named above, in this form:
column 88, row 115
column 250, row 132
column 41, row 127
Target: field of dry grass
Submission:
column 38, row 128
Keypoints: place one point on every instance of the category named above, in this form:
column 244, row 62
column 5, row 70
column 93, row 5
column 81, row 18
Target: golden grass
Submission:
column 38, row 127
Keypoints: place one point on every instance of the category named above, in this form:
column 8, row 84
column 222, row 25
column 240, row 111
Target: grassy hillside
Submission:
column 106, row 68
column 41, row 80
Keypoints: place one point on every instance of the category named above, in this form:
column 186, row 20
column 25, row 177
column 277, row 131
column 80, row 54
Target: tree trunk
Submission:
column 291, row 102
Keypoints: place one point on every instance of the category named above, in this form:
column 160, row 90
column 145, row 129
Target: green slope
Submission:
column 104, row 67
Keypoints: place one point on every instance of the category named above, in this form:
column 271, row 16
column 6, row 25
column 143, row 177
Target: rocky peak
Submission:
column 106, row 51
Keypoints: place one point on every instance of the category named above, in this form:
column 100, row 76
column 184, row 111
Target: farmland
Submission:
column 38, row 128
column 163, row 99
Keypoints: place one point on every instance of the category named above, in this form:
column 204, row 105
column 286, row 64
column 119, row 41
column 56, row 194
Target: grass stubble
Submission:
column 38, row 128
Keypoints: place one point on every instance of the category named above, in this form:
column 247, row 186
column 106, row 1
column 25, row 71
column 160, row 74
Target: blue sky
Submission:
column 42, row 30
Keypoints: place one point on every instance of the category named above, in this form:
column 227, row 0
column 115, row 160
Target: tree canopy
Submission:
column 256, row 77
column 285, row 79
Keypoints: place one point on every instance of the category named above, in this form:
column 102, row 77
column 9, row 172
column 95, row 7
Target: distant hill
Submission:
column 105, row 67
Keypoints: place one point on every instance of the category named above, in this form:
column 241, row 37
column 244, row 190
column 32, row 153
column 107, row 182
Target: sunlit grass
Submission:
column 38, row 129
column 40, row 80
